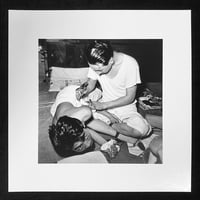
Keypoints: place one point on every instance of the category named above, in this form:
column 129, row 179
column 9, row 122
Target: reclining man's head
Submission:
column 69, row 137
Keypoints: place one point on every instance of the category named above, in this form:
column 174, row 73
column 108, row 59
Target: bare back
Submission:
column 82, row 113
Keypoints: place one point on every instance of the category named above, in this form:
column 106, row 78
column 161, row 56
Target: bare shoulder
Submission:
column 63, row 109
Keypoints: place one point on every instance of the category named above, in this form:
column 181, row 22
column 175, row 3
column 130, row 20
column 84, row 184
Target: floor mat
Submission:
column 125, row 157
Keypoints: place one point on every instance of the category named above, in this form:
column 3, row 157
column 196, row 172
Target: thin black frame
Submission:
column 93, row 5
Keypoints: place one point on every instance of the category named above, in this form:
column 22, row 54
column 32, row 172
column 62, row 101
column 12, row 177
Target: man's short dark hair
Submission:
column 99, row 51
column 64, row 134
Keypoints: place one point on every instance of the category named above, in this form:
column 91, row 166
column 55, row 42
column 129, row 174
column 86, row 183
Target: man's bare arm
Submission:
column 122, row 101
column 91, row 85
column 85, row 88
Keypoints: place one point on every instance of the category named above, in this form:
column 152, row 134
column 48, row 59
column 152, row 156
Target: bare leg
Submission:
column 152, row 159
column 102, row 127
column 127, row 130
column 156, row 147
column 127, row 139
column 97, row 137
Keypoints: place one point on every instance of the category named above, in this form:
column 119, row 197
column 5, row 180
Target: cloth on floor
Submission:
column 124, row 156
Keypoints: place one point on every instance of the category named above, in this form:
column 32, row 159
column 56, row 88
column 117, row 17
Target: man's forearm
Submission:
column 91, row 86
column 96, row 137
column 89, row 89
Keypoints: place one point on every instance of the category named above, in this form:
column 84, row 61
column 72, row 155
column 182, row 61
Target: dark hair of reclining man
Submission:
column 69, row 137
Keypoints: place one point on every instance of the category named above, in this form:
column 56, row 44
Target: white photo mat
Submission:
column 26, row 27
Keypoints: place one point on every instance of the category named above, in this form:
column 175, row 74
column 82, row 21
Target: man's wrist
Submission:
column 106, row 105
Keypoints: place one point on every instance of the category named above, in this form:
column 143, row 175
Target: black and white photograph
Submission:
column 99, row 101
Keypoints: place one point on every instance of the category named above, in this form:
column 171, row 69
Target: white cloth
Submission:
column 67, row 94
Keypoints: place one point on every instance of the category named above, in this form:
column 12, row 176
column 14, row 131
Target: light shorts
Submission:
column 137, row 122
column 129, row 115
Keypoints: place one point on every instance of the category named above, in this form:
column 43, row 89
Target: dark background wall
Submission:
column 148, row 54
column 70, row 53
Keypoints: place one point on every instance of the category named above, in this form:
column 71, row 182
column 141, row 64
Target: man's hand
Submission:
column 111, row 148
column 81, row 91
column 95, row 105
column 114, row 119
column 78, row 94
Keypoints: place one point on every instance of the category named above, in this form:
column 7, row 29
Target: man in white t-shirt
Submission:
column 118, row 75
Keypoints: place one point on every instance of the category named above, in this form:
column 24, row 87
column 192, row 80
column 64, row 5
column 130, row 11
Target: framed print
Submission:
column 161, row 42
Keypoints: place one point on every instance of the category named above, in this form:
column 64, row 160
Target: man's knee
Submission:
column 137, row 133
column 140, row 127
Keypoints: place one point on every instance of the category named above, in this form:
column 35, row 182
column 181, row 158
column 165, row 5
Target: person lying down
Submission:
column 72, row 94
column 99, row 120
column 75, row 143
column 73, row 132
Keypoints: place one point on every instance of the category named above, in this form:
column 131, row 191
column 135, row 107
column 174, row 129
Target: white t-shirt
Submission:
column 127, row 76
column 114, row 88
